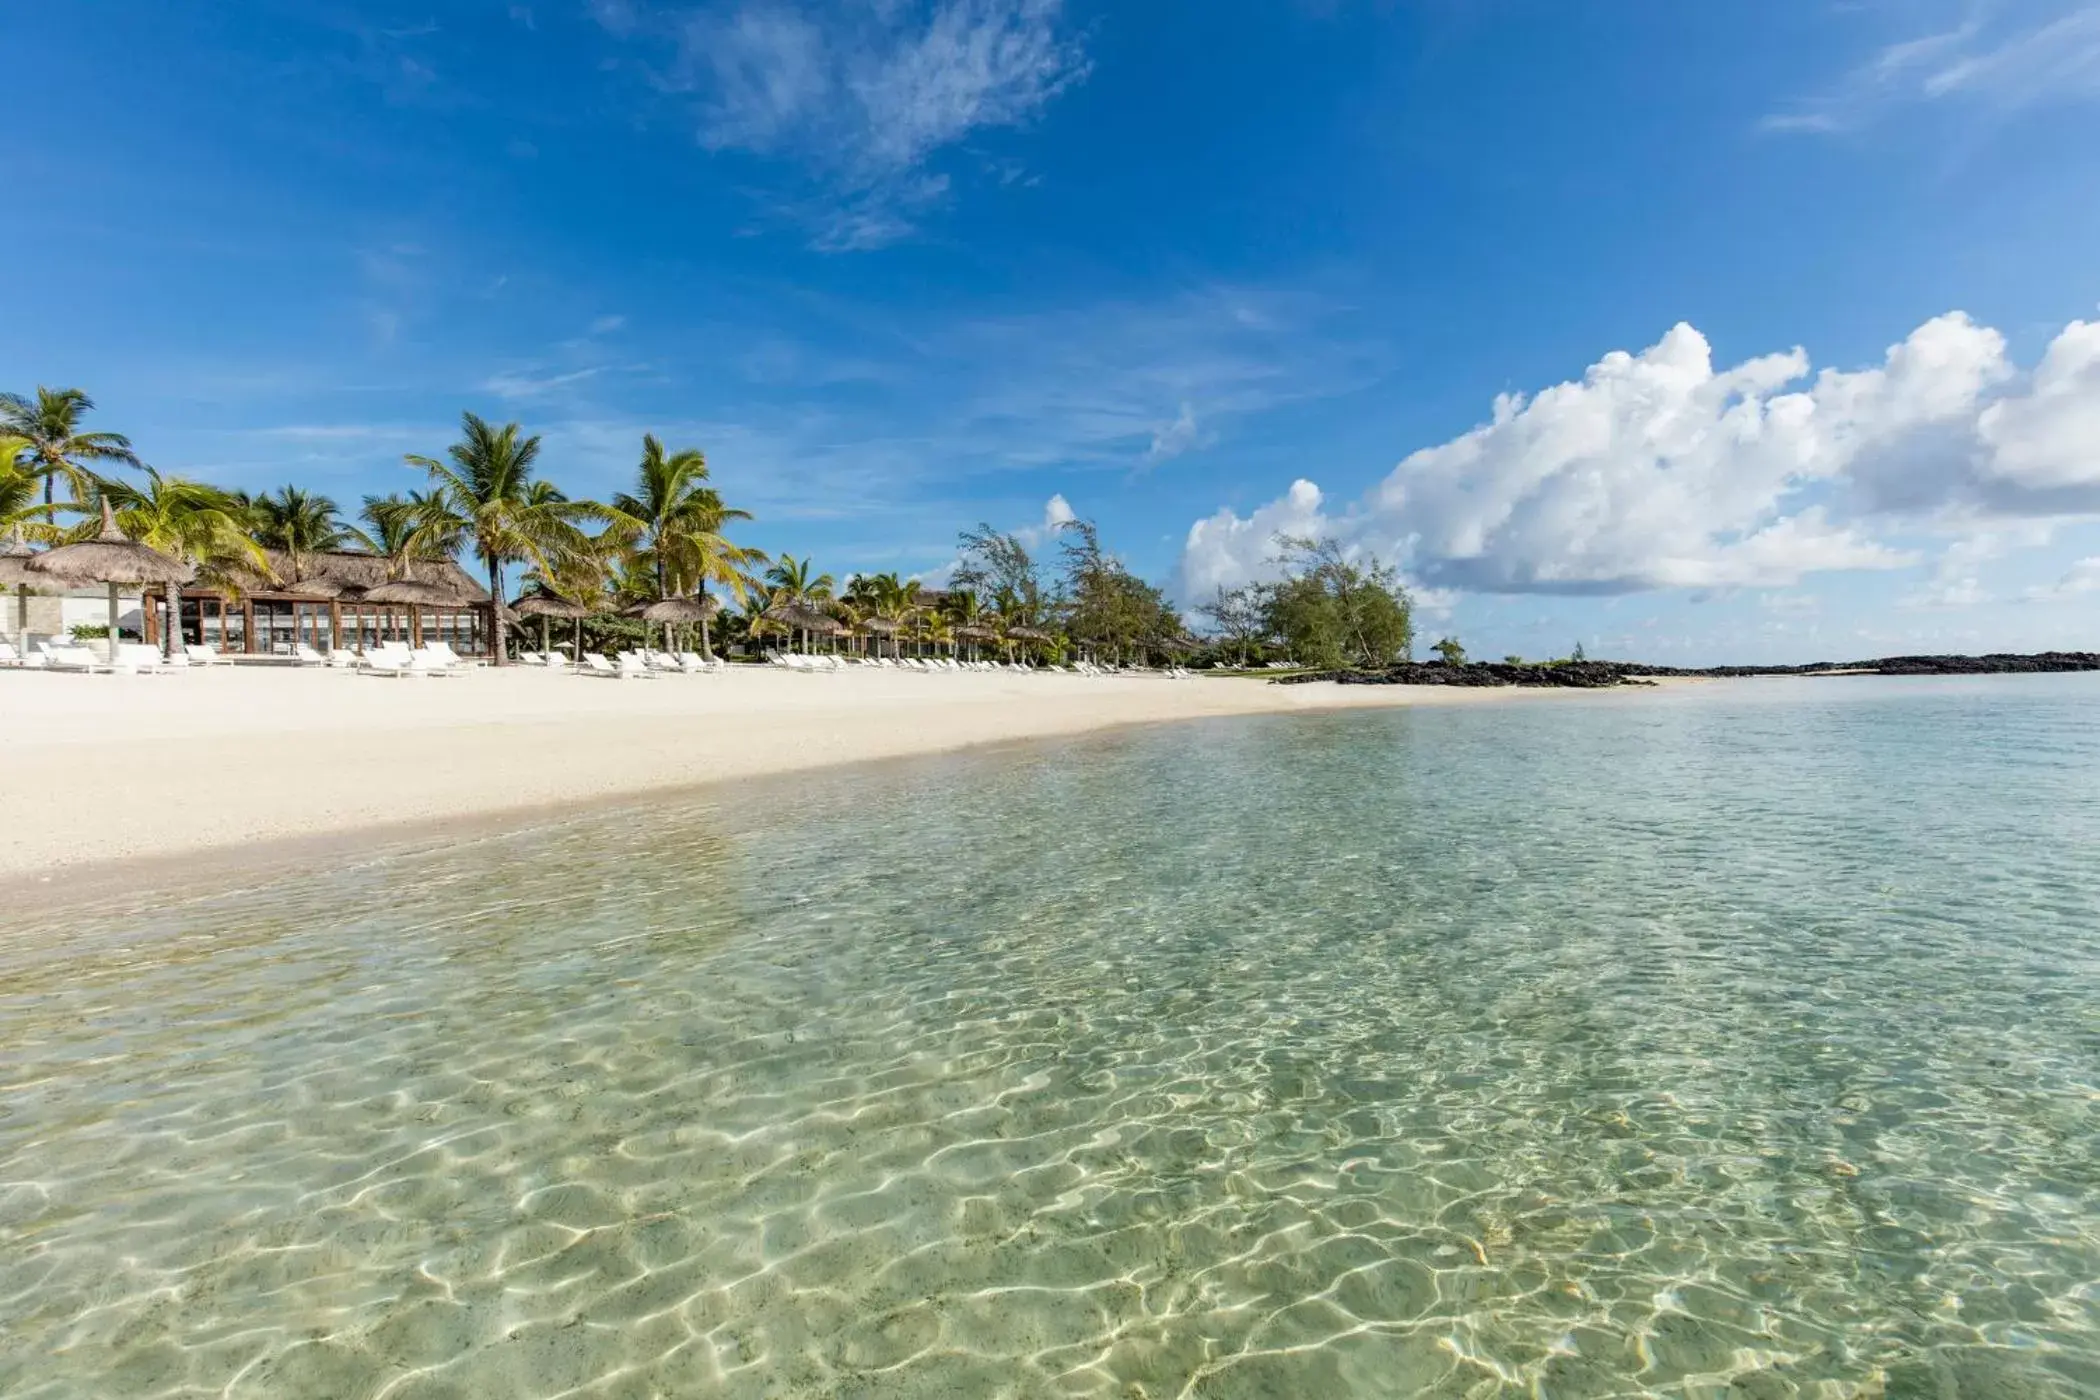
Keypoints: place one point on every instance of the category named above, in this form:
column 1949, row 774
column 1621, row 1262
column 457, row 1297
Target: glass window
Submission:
column 276, row 626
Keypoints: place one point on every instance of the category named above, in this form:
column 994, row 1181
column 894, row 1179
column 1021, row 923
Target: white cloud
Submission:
column 1173, row 439
column 865, row 97
column 1226, row 550
column 2048, row 438
column 523, row 384
column 1657, row 470
column 2001, row 53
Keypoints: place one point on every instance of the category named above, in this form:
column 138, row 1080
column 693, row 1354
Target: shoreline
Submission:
column 130, row 785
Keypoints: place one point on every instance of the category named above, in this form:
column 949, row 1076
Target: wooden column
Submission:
column 248, row 625
column 335, row 625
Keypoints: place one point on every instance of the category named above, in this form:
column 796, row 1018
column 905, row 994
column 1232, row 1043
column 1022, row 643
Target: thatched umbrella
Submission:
column 546, row 607
column 972, row 632
column 15, row 574
column 675, row 610
column 803, row 618
column 114, row 558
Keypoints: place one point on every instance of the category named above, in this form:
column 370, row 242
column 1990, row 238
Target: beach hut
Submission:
column 112, row 558
column 325, row 600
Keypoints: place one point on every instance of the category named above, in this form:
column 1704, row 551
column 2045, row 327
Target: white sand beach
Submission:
column 222, row 759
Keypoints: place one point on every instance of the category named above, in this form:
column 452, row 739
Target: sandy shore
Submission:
column 102, row 768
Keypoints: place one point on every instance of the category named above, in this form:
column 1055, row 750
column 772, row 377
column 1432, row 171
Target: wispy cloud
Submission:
column 1997, row 53
column 2081, row 581
column 525, row 384
column 861, row 100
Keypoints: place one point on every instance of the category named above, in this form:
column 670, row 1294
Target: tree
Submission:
column 1452, row 653
column 190, row 521
column 299, row 524
column 1106, row 606
column 1577, row 655
column 1237, row 614
column 1332, row 611
column 487, row 493
column 996, row 564
column 22, row 517
column 961, row 609
column 56, row 448
column 677, row 522
column 796, row 586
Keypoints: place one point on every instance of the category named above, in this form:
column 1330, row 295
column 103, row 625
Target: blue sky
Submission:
column 1699, row 332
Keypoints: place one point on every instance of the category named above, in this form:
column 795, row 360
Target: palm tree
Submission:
column 487, row 493
column 298, row 524
column 889, row 598
column 795, row 586
column 677, row 522
column 22, row 518
column 55, row 445
column 961, row 609
column 189, row 521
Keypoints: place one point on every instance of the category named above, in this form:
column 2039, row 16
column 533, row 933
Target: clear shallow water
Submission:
column 1737, row 1043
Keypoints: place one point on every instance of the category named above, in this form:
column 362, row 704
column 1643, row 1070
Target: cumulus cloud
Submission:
column 865, row 97
column 1659, row 470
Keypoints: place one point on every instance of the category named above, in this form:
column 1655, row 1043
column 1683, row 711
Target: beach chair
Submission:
column 434, row 661
column 135, row 659
column 387, row 659
column 200, row 655
column 8, row 655
column 343, row 659
column 304, row 655
column 61, row 656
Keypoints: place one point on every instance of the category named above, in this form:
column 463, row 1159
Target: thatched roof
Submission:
column 806, row 618
column 1028, row 634
column 351, row 576
column 978, row 634
column 549, row 605
column 880, row 624
column 411, row 591
column 15, row 572
column 676, row 610
column 110, row 557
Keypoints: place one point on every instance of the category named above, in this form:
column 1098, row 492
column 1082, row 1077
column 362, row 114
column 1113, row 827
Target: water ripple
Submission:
column 1743, row 1044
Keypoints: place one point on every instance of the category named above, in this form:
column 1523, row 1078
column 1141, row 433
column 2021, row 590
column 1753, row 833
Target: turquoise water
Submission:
column 1740, row 1042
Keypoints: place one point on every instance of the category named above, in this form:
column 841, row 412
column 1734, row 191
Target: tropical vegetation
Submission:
column 667, row 535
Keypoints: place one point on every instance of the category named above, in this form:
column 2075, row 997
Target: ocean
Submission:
column 1737, row 1040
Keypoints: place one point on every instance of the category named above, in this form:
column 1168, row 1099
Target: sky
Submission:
column 1738, row 331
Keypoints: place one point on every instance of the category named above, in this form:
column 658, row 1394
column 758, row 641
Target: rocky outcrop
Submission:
column 1594, row 675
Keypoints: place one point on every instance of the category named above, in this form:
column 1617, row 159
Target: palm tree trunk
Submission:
column 495, row 611
column 22, row 619
column 173, row 641
column 113, row 622
column 546, row 635
column 707, row 651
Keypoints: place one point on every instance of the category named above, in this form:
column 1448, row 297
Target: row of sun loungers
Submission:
column 134, row 658
column 398, row 660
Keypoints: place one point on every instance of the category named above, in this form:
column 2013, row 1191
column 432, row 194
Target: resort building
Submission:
column 321, row 600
